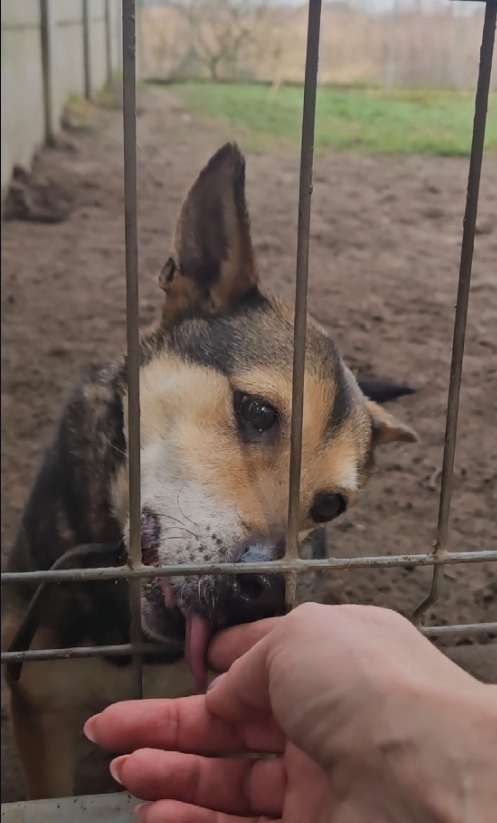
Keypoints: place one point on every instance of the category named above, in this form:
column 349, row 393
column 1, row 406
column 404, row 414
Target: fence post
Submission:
column 132, row 326
column 108, row 41
column 463, row 294
column 86, row 49
column 46, row 31
column 140, row 45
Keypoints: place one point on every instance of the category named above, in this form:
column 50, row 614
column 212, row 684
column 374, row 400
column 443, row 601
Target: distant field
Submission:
column 425, row 122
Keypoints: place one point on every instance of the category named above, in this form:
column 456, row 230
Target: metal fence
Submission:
column 291, row 564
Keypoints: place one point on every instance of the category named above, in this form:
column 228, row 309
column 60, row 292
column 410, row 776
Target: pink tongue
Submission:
column 198, row 634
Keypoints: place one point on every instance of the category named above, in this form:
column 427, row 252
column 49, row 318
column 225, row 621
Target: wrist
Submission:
column 446, row 761
column 478, row 757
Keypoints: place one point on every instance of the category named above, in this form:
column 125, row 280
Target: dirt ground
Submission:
column 384, row 258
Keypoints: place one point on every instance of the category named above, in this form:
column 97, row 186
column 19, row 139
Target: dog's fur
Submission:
column 213, row 487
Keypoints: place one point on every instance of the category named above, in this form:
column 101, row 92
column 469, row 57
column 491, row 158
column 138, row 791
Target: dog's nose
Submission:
column 248, row 597
column 254, row 596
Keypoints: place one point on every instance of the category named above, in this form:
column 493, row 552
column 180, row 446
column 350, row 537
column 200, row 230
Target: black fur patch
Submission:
column 383, row 391
column 342, row 404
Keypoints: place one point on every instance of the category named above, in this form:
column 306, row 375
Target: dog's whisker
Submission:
column 182, row 512
column 178, row 526
column 113, row 446
column 176, row 520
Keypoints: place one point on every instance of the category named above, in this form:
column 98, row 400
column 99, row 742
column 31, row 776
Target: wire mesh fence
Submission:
column 291, row 565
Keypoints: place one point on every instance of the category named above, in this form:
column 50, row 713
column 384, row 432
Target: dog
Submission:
column 215, row 387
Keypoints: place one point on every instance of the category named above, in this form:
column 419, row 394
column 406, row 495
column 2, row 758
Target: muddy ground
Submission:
column 385, row 244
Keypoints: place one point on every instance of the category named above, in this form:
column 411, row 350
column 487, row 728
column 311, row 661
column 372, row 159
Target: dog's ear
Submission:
column 387, row 428
column 212, row 267
column 382, row 391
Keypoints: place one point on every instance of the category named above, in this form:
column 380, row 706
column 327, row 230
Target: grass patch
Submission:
column 368, row 120
column 111, row 95
column 78, row 114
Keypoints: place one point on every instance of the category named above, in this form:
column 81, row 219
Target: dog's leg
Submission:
column 48, row 740
column 49, row 705
column 44, row 717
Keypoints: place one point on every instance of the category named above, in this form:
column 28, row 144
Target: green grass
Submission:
column 425, row 122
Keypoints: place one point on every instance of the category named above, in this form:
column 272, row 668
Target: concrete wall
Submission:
column 22, row 86
column 38, row 79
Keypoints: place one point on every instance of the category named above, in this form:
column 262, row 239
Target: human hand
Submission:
column 365, row 715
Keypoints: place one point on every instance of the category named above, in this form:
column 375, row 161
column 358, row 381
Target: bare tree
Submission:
column 223, row 32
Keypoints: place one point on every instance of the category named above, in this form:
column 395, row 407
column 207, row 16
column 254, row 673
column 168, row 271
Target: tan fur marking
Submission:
column 192, row 406
column 52, row 700
column 387, row 428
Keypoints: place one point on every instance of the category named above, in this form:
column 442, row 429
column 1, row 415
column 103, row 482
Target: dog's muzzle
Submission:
column 247, row 597
column 239, row 598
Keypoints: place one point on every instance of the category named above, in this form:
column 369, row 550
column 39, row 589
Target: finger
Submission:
column 244, row 689
column 235, row 785
column 230, row 644
column 169, row 811
column 184, row 724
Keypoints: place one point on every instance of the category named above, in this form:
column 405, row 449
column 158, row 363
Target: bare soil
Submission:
column 384, row 258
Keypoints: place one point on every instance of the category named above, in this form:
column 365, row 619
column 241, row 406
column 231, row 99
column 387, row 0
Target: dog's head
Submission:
column 216, row 386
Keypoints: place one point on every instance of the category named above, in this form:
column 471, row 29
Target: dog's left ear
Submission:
column 212, row 266
column 387, row 428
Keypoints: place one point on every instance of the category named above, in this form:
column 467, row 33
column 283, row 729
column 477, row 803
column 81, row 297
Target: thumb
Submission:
column 244, row 688
column 229, row 645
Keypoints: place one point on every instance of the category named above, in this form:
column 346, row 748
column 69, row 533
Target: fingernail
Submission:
column 115, row 767
column 89, row 729
column 140, row 811
column 215, row 681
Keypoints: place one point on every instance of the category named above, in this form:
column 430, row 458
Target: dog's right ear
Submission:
column 383, row 391
column 212, row 267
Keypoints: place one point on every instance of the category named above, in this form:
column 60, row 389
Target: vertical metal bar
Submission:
column 302, row 273
column 46, row 67
column 141, row 40
column 108, row 42
column 466, row 262
column 86, row 49
column 132, row 327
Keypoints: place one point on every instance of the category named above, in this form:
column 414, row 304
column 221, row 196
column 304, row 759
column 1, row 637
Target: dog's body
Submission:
column 215, row 418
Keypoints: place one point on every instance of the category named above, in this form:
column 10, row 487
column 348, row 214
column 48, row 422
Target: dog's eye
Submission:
column 254, row 413
column 327, row 506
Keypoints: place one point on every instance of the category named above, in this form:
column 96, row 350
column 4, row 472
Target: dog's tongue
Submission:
column 198, row 634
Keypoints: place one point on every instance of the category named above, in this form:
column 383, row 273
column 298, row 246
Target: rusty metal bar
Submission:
column 108, row 42
column 460, row 321
column 299, row 566
column 140, row 39
column 86, row 49
column 132, row 323
column 302, row 276
column 79, row 652
column 46, row 31
column 461, row 629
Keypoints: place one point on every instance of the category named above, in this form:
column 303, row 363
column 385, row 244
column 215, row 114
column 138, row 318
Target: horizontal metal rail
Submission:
column 78, row 652
column 270, row 567
column 461, row 629
column 176, row 647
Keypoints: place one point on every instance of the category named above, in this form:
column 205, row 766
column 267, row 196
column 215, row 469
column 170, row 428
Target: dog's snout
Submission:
column 262, row 552
column 250, row 597
column 254, row 596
